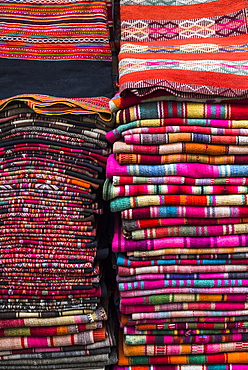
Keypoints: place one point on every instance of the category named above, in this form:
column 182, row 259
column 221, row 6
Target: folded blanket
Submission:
column 162, row 256
column 144, row 133
column 110, row 191
column 58, row 362
column 97, row 315
column 120, row 244
column 162, row 232
column 180, row 158
column 124, row 203
column 100, row 347
column 225, row 290
column 184, row 211
column 86, row 337
column 166, row 138
column 127, row 320
column 161, row 340
column 131, row 331
column 157, row 284
column 183, row 367
column 126, row 271
column 200, row 306
column 197, row 358
column 131, row 225
column 159, row 277
column 45, row 331
column 184, row 51
column 177, row 148
column 95, row 108
column 186, row 109
column 189, row 325
column 172, row 123
column 189, row 260
column 195, row 170
column 179, row 180
column 173, row 349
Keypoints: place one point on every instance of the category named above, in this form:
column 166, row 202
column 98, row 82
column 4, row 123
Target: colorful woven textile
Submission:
column 192, row 110
column 178, row 169
column 97, row 315
column 184, row 367
column 120, row 244
column 52, row 293
column 86, row 337
column 220, row 358
column 179, row 148
column 149, row 139
column 183, row 50
column 171, row 124
column 181, row 180
column 92, row 112
column 110, row 191
column 190, row 128
column 55, row 48
column 182, row 211
column 177, row 181
column 181, row 158
column 187, row 306
column 123, row 203
column 131, row 225
column 154, row 350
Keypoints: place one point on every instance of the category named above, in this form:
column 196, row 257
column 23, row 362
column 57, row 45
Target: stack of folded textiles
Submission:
column 178, row 180
column 53, row 310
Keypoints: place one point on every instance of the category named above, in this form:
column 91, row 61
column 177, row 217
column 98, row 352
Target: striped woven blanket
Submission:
column 180, row 180
column 180, row 158
column 82, row 109
column 166, row 138
column 129, row 357
column 123, row 203
column 55, row 48
column 206, row 150
column 185, row 109
column 183, row 367
column 193, row 49
column 120, row 244
column 172, row 124
column 195, row 170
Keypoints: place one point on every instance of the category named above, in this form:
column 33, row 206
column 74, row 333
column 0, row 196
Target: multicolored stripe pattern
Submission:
column 182, row 50
column 182, row 264
column 60, row 30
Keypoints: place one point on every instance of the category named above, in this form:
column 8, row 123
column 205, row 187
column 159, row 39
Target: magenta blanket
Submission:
column 195, row 170
column 120, row 244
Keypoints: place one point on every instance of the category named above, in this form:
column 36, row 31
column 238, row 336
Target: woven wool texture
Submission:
column 56, row 76
column 183, row 50
column 180, row 262
column 175, row 180
column 58, row 48
column 52, row 246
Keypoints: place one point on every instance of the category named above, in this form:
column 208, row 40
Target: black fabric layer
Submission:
column 67, row 79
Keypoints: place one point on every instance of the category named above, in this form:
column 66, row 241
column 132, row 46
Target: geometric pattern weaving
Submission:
column 208, row 40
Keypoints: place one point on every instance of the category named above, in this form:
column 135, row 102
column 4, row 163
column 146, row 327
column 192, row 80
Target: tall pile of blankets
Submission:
column 53, row 297
column 178, row 182
column 55, row 58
